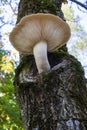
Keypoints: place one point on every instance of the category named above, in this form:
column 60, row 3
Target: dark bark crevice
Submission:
column 56, row 100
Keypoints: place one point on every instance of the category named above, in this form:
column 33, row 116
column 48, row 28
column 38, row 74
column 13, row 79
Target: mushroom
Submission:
column 38, row 34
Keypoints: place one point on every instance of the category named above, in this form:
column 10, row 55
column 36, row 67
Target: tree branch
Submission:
column 79, row 3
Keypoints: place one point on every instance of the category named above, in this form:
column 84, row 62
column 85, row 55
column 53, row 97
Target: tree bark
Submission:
column 56, row 100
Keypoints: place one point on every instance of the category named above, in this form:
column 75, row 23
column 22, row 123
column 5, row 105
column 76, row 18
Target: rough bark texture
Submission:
column 56, row 100
column 27, row 7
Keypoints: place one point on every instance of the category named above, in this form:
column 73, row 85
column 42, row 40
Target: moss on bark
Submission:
column 54, row 100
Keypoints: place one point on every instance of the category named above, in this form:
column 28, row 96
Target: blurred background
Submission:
column 76, row 17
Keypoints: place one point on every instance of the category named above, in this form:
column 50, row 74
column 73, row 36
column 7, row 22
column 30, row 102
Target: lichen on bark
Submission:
column 39, row 6
column 56, row 100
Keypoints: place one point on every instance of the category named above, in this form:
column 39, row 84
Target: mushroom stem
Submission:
column 40, row 54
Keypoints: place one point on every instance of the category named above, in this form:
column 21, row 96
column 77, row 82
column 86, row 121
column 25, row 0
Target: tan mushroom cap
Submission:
column 39, row 27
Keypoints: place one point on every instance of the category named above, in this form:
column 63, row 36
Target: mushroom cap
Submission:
column 39, row 27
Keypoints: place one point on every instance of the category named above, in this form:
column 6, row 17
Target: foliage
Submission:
column 78, row 42
column 4, row 0
column 9, row 114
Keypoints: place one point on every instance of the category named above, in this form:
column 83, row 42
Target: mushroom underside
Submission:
column 37, row 34
column 26, row 36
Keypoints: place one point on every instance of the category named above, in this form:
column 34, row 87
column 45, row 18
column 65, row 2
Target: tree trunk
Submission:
column 56, row 100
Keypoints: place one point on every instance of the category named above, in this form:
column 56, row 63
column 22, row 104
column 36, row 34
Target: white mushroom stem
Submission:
column 40, row 54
